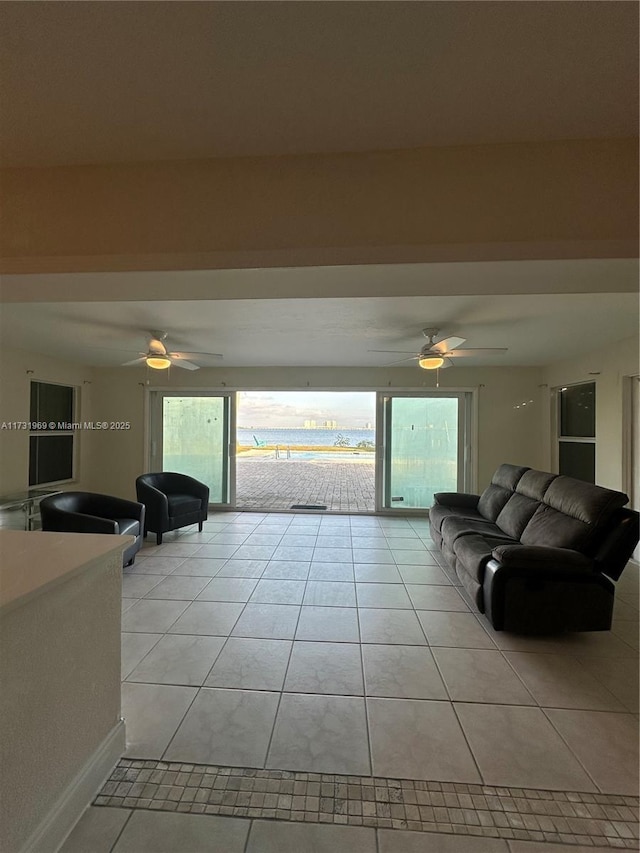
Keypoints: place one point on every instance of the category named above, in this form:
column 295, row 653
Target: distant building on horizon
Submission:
column 330, row 424
column 309, row 425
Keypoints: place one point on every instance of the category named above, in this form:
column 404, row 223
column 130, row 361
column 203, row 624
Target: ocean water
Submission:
column 305, row 437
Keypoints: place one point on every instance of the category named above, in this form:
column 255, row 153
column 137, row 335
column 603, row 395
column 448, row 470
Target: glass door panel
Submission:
column 193, row 439
column 423, row 444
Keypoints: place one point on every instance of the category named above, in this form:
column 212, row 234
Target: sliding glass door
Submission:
column 425, row 448
column 190, row 434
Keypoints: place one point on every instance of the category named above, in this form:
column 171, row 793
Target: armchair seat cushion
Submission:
column 130, row 526
column 183, row 504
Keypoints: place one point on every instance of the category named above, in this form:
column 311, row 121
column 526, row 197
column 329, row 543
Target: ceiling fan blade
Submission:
column 405, row 351
column 194, row 354
column 462, row 353
column 135, row 361
column 448, row 344
column 180, row 362
column 401, row 361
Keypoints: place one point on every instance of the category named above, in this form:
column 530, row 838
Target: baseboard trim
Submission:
column 63, row 816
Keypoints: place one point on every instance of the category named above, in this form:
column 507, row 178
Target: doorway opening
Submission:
column 310, row 450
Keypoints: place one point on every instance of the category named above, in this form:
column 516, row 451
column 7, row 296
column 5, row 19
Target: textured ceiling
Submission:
column 106, row 82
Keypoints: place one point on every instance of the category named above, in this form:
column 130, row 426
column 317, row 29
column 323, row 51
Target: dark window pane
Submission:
column 50, row 458
column 578, row 459
column 51, row 402
column 578, row 410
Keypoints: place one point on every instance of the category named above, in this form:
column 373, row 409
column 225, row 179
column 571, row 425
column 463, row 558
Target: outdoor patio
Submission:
column 265, row 482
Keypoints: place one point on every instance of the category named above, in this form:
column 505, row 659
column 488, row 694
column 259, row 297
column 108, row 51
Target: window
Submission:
column 576, row 407
column 52, row 436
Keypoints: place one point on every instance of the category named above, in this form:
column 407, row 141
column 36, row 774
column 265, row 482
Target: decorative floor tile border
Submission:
column 564, row 817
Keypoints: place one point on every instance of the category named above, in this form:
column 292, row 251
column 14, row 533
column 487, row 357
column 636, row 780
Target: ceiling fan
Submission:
column 159, row 358
column 438, row 355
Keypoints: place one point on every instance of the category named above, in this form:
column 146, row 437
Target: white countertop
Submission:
column 32, row 562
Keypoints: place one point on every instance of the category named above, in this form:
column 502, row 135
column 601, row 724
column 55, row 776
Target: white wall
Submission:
column 607, row 368
column 506, row 433
column 17, row 369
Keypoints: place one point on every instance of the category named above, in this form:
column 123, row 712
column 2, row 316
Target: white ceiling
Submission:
column 106, row 82
column 537, row 329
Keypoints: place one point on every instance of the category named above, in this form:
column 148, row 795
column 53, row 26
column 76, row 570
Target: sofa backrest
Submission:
column 502, row 486
column 572, row 514
column 523, row 503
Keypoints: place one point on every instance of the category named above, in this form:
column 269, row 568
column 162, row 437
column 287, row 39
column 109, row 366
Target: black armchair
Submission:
column 87, row 512
column 172, row 501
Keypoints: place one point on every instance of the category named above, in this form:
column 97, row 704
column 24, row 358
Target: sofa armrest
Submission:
column 540, row 558
column 457, row 499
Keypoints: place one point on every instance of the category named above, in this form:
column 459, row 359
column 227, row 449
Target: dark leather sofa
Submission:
column 172, row 501
column 537, row 552
column 88, row 512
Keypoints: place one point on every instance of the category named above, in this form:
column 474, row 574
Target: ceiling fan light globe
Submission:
column 158, row 362
column 430, row 362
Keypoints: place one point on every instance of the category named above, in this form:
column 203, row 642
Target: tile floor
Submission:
column 329, row 644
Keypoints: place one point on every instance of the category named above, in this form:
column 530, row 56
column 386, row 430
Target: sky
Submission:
column 292, row 408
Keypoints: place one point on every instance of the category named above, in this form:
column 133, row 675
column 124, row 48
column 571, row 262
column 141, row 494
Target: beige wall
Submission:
column 574, row 198
column 17, row 369
column 505, row 433
column 110, row 461
column 610, row 366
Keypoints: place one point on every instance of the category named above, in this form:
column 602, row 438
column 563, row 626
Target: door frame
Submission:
column 153, row 439
column 469, row 449
column 467, row 439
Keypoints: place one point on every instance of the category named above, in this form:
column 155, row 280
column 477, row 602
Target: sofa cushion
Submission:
column 473, row 553
column 453, row 528
column 515, row 514
column 572, row 515
column 438, row 513
column 183, row 504
column 534, row 484
column 584, row 501
column 503, row 484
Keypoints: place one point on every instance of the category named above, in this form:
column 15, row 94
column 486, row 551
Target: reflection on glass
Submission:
column 578, row 410
column 194, row 441
column 423, row 450
column 578, row 459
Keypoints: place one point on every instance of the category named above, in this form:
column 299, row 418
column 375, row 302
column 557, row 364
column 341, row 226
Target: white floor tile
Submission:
column 513, row 746
column 251, row 664
column 320, row 734
column 418, row 739
column 230, row 727
column 159, row 832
